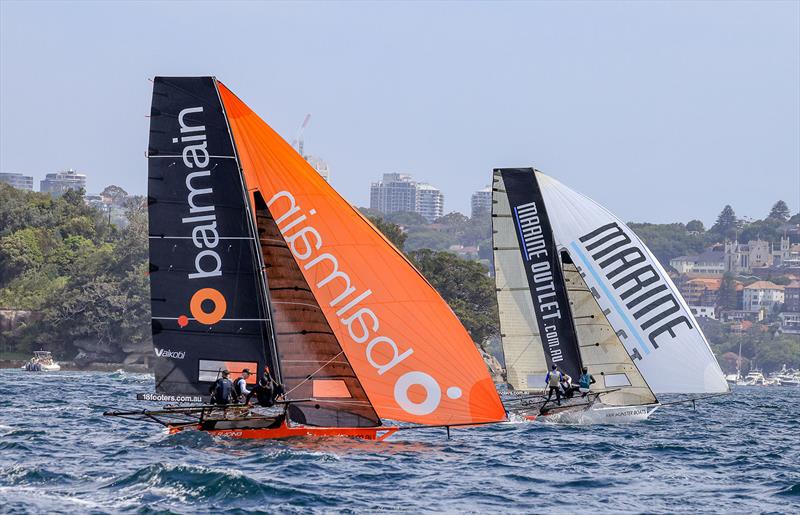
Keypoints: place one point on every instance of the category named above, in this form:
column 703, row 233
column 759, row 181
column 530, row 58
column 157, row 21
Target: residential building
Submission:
column 399, row 192
column 791, row 297
column 17, row 180
column 396, row 192
column 789, row 323
column 58, row 183
column 739, row 315
column 762, row 295
column 320, row 165
column 708, row 263
column 481, row 202
column 701, row 291
column 430, row 202
column 703, row 311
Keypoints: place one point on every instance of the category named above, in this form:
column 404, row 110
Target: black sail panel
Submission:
column 313, row 364
column 208, row 305
column 543, row 269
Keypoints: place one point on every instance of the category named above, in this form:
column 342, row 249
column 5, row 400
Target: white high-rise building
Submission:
column 17, row 180
column 320, row 165
column 481, row 201
column 396, row 192
column 430, row 202
column 399, row 192
column 58, row 183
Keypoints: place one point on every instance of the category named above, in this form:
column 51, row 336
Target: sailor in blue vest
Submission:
column 222, row 390
column 586, row 381
column 553, row 381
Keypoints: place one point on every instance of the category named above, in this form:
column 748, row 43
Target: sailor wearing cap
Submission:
column 222, row 390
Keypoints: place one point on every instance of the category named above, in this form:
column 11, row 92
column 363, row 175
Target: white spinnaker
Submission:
column 522, row 347
column 680, row 364
column 602, row 352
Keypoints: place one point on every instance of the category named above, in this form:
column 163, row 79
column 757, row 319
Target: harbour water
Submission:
column 739, row 453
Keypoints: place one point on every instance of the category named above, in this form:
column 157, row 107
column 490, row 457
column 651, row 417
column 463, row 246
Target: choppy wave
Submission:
column 58, row 453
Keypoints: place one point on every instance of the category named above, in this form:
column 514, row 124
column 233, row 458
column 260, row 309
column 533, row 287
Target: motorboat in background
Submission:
column 42, row 361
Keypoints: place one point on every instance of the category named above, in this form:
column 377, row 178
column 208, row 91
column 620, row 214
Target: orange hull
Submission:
column 286, row 431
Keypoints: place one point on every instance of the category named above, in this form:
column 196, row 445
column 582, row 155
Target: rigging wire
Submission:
column 310, row 376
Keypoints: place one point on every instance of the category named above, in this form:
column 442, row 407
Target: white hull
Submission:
column 601, row 414
column 41, row 368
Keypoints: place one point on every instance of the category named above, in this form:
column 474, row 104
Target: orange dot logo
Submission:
column 208, row 317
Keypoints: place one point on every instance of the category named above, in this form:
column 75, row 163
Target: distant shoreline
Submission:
column 70, row 366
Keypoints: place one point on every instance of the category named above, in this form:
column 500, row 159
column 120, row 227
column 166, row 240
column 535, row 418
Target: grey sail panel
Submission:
column 526, row 365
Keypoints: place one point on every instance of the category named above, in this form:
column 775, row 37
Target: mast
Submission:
column 263, row 291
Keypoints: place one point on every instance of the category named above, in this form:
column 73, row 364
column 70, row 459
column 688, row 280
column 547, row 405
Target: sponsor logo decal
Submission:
column 207, row 305
column 537, row 258
column 161, row 397
column 635, row 281
column 362, row 323
column 166, row 353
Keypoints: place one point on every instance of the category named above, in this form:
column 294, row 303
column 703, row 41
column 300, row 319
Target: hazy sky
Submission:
column 660, row 111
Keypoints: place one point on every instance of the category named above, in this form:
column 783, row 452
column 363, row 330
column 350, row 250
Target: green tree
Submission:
column 20, row 251
column 667, row 241
column 695, row 226
column 768, row 230
column 727, row 291
column 115, row 193
column 780, row 211
column 465, row 286
column 392, row 231
column 727, row 223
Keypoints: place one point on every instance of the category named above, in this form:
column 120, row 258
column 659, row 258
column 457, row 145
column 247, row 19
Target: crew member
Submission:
column 567, row 388
column 586, row 380
column 222, row 390
column 553, row 381
column 266, row 391
column 240, row 391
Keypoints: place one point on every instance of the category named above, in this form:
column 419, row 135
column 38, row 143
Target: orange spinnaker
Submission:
column 412, row 355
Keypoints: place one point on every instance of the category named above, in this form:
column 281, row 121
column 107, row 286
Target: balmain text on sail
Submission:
column 363, row 325
column 195, row 156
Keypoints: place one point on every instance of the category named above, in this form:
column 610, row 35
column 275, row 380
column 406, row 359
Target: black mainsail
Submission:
column 518, row 200
column 208, row 298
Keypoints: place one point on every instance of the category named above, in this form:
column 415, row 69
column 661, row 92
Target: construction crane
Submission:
column 297, row 143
